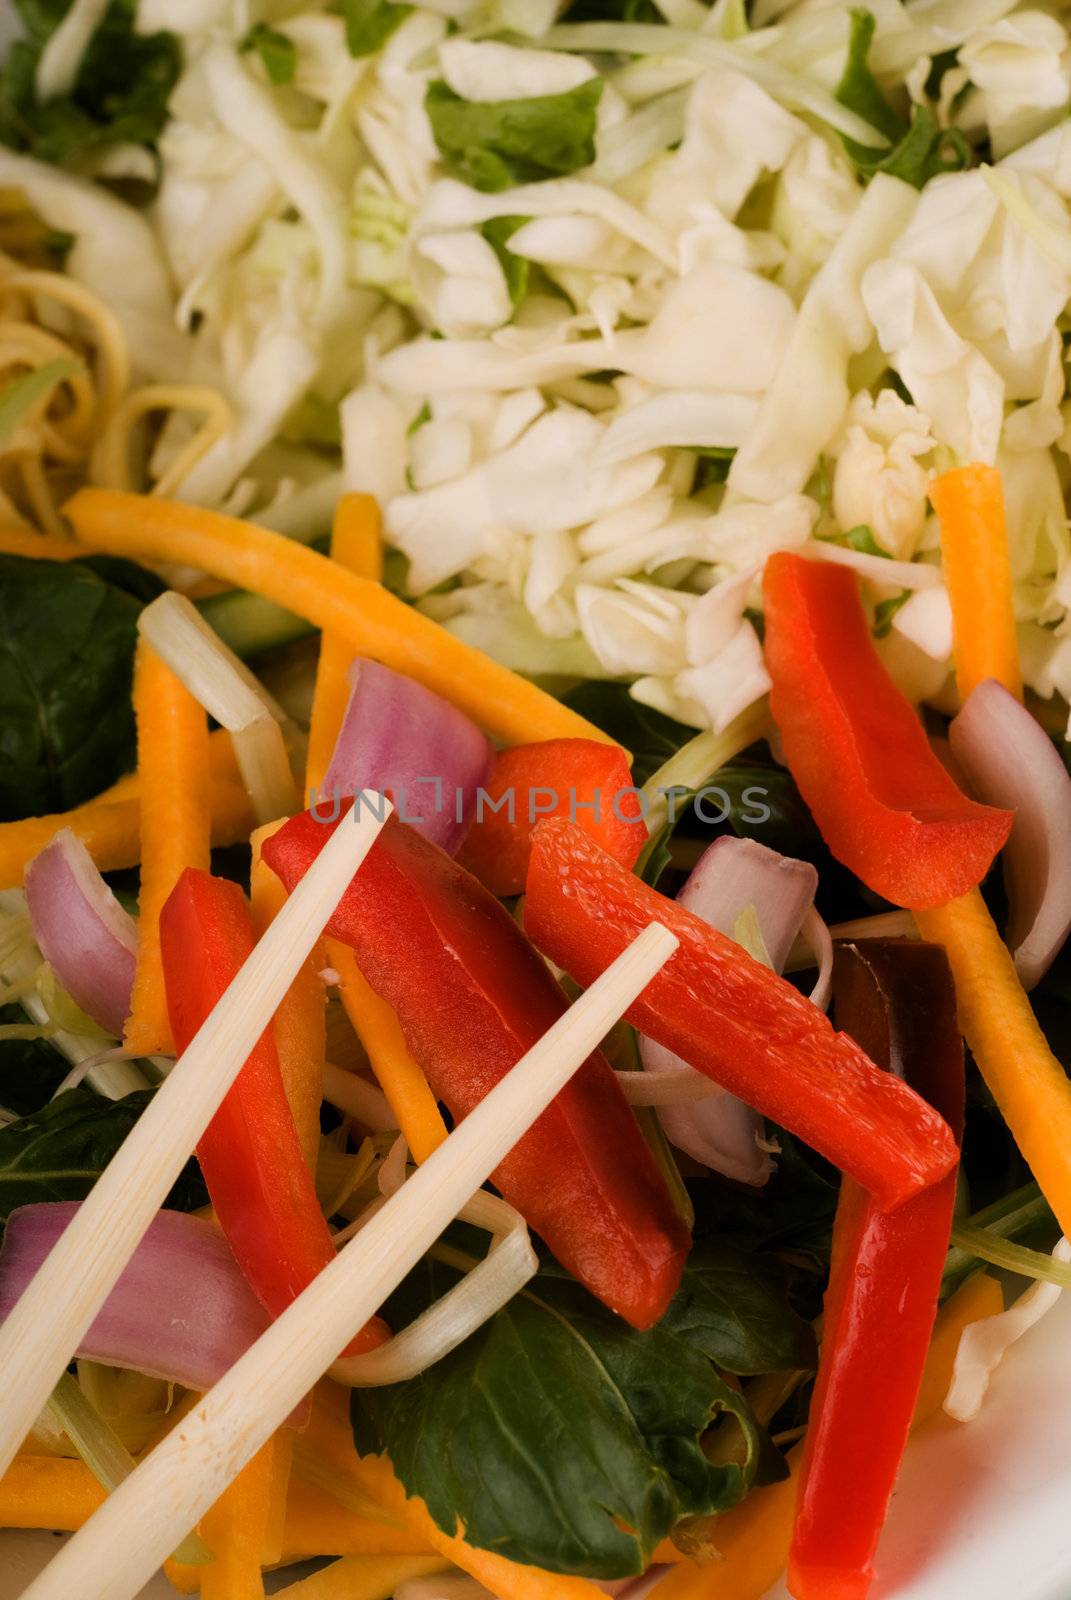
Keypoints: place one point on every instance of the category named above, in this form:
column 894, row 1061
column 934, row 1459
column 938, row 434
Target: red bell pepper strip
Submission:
column 736, row 1021
column 885, row 805
column 588, row 782
column 250, row 1155
column 472, row 996
column 899, row 1001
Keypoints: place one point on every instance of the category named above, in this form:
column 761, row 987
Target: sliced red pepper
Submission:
column 472, row 996
column 885, row 805
column 259, row 1184
column 898, row 1000
column 735, row 1020
column 588, row 782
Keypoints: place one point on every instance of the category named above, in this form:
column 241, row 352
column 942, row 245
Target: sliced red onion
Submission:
column 181, row 1310
column 819, row 941
column 400, row 737
column 720, row 1131
column 84, row 933
column 1010, row 761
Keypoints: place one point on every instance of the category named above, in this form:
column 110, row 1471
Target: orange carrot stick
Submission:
column 355, row 544
column 176, row 826
column 379, row 1030
column 969, row 502
column 1028, row 1083
column 364, row 613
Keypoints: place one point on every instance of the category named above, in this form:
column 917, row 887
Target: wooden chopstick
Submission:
column 122, row 1545
column 42, row 1333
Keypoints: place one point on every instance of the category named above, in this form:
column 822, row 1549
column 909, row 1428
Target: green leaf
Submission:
column 21, row 395
column 920, row 149
column 496, row 144
column 59, row 1152
column 885, row 611
column 126, row 575
column 498, row 231
column 119, row 97
column 732, row 1305
column 30, row 1069
column 370, row 23
column 278, row 54
column 651, row 737
column 556, row 1434
column 859, row 538
column 67, row 639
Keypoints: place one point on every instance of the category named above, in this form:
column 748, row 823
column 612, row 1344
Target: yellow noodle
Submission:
column 110, row 467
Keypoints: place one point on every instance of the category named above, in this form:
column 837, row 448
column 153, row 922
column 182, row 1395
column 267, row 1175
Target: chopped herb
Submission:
column 278, row 54
column 496, row 144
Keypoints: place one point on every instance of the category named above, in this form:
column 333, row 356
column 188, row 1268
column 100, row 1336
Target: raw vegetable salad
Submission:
column 611, row 458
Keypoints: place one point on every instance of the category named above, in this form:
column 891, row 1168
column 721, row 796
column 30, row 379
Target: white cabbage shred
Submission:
column 593, row 403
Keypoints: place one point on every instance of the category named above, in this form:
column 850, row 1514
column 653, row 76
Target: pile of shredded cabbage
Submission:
column 593, row 403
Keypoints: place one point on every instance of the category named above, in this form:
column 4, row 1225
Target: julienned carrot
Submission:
column 176, row 826
column 48, row 1492
column 299, row 1024
column 753, row 1540
column 111, row 831
column 372, row 620
column 317, row 1524
column 969, row 502
column 40, row 546
column 379, row 1030
column 355, row 545
column 364, row 1577
column 1028, row 1083
column 235, row 1530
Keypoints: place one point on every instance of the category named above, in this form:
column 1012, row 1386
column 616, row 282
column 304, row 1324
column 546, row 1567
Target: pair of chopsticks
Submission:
column 124, row 1543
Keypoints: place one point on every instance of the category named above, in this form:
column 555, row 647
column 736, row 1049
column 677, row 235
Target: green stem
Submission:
column 250, row 624
column 104, row 1453
column 987, row 1245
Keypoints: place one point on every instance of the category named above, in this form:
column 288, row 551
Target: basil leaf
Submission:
column 30, row 1069
column 59, row 1152
column 119, row 96
column 370, row 23
column 67, row 639
column 920, row 149
column 277, row 53
column 732, row 1305
column 557, row 1435
column 493, row 145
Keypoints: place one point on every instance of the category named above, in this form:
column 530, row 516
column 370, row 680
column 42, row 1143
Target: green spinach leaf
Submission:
column 30, row 1069
column 556, row 1434
column 67, row 637
column 920, row 150
column 278, row 53
column 370, row 23
column 119, row 96
column 59, row 1152
column 493, row 145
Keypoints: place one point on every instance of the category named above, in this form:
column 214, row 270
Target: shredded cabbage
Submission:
column 593, row 402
